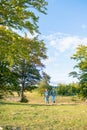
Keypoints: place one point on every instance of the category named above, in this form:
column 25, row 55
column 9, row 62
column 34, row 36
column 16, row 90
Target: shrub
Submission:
column 24, row 99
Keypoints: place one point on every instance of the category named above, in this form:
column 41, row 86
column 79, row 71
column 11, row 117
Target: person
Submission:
column 53, row 94
column 46, row 94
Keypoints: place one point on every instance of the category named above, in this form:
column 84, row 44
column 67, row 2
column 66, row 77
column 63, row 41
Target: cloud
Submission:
column 61, row 78
column 61, row 45
column 63, row 42
column 60, row 48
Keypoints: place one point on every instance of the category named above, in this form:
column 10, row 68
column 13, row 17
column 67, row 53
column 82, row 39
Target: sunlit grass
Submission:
column 37, row 116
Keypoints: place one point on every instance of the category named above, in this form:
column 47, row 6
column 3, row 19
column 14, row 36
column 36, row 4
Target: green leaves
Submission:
column 23, row 55
column 19, row 14
column 81, row 58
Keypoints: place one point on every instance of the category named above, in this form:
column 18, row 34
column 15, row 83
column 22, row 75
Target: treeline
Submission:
column 71, row 89
column 68, row 89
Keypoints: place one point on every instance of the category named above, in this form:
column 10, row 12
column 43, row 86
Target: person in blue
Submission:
column 53, row 94
column 46, row 94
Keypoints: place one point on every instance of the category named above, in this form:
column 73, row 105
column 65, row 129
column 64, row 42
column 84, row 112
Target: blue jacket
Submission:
column 53, row 92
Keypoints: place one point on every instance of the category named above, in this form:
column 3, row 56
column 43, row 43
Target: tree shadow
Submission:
column 37, row 104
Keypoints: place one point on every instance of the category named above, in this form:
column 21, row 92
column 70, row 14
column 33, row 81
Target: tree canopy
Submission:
column 19, row 14
column 81, row 73
column 20, row 56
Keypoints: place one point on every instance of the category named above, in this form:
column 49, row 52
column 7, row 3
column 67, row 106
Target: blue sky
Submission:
column 63, row 29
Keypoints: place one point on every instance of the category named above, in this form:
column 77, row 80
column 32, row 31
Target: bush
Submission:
column 1, row 96
column 24, row 99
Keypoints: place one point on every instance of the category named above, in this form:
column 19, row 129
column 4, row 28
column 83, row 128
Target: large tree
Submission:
column 29, row 68
column 8, row 52
column 24, row 57
column 20, row 14
column 7, row 79
column 81, row 68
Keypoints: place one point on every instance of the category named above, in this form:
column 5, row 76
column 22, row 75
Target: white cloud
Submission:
column 60, row 48
column 61, row 78
column 63, row 42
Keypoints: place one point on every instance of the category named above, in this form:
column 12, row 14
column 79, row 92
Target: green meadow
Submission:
column 68, row 113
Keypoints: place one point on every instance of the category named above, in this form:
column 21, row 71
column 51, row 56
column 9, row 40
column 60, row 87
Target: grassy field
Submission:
column 67, row 114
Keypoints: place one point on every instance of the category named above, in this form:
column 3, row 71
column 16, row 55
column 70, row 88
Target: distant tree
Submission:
column 68, row 89
column 46, row 77
column 81, row 73
column 44, row 83
column 42, row 86
column 75, row 88
column 61, row 89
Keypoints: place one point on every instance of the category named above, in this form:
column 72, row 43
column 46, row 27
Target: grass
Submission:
column 66, row 114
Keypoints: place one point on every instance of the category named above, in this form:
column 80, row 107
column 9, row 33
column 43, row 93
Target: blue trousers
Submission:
column 46, row 99
column 53, row 99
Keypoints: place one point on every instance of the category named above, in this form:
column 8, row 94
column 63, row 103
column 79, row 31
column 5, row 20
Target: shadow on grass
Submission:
column 32, row 105
column 10, row 127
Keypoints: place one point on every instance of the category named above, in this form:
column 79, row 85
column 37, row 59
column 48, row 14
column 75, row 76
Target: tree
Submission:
column 68, row 89
column 29, row 68
column 19, row 14
column 62, row 89
column 42, row 86
column 81, row 73
column 44, row 83
column 24, row 57
column 10, row 43
column 46, row 77
column 7, row 79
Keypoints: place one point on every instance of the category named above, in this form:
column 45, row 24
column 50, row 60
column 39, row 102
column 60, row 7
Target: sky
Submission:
column 63, row 29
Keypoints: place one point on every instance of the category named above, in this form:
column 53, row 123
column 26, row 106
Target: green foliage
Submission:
column 1, row 94
column 24, row 99
column 68, row 89
column 20, row 58
column 19, row 14
column 42, row 86
column 44, row 83
column 23, row 58
column 81, row 73
column 7, row 79
column 31, row 88
column 29, row 65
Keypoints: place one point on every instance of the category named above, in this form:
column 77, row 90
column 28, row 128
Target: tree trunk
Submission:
column 22, row 91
